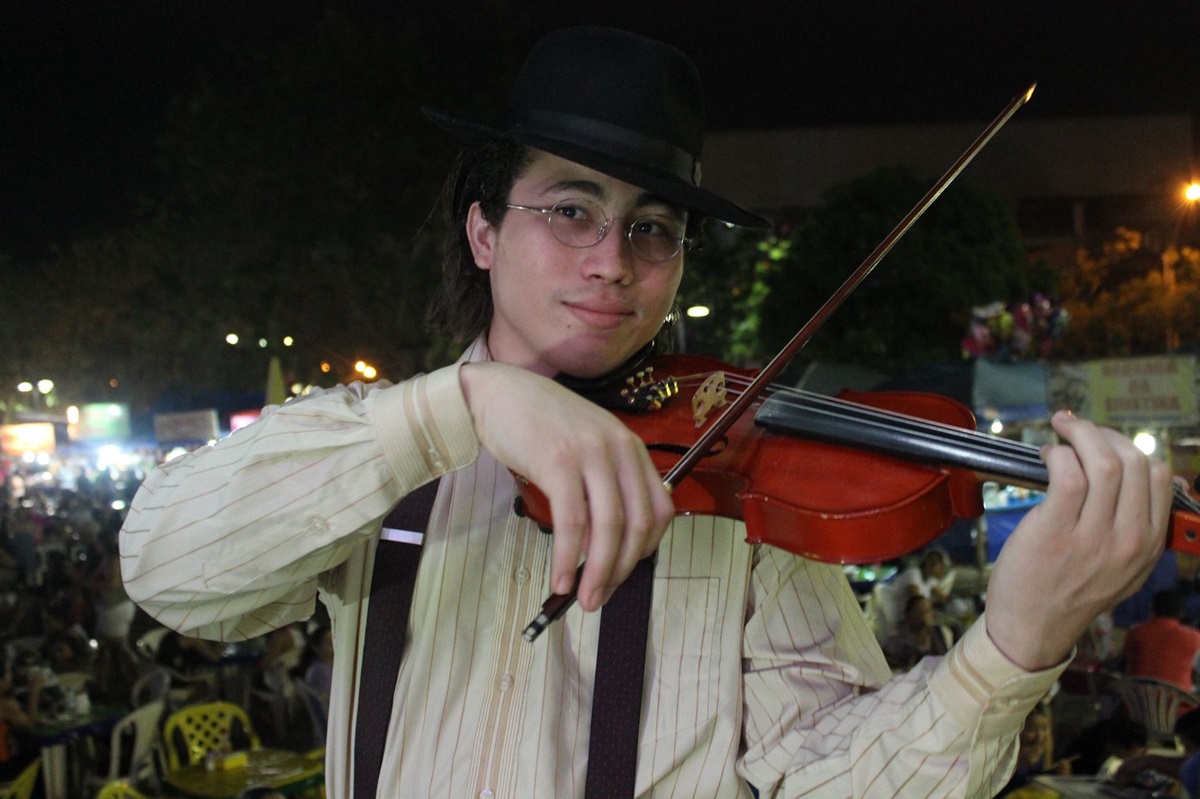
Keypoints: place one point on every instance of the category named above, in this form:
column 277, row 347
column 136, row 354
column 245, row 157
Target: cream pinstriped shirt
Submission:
column 760, row 668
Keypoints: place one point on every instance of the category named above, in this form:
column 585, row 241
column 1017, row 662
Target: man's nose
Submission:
column 611, row 258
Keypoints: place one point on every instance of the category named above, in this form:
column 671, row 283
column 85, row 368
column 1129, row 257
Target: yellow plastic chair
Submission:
column 22, row 787
column 121, row 789
column 193, row 731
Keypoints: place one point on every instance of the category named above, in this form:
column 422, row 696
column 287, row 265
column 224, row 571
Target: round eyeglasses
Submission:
column 582, row 223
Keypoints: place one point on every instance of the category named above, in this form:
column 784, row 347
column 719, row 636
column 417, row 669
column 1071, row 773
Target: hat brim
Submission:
column 667, row 186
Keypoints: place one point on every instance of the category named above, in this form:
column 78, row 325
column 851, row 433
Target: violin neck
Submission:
column 835, row 421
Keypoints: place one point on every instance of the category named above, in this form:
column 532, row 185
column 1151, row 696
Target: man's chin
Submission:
column 588, row 363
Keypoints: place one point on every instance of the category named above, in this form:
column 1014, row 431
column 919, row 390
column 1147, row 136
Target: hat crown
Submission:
column 622, row 104
column 614, row 78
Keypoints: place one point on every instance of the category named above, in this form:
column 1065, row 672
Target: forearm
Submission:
column 228, row 542
column 825, row 718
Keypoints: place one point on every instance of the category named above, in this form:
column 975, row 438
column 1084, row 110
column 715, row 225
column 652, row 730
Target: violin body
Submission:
column 823, row 501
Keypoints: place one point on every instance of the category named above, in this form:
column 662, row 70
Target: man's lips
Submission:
column 600, row 314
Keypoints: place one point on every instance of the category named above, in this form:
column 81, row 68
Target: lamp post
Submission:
column 1170, row 255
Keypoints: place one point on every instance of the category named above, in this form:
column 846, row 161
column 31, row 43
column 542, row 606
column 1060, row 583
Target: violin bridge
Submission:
column 642, row 392
column 711, row 394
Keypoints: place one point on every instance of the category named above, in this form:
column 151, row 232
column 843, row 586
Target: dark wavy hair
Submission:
column 485, row 173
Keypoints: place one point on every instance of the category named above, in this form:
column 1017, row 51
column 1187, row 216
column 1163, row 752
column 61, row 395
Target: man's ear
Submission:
column 482, row 236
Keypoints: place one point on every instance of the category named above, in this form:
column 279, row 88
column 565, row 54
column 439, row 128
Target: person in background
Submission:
column 1183, row 766
column 919, row 635
column 1036, row 754
column 931, row 576
column 318, row 670
column 1163, row 648
column 570, row 218
column 283, row 652
column 1101, row 747
column 17, row 717
column 317, row 674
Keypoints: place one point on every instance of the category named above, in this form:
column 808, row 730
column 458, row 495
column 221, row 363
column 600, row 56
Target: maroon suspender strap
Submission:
column 620, row 660
column 617, row 693
column 393, row 578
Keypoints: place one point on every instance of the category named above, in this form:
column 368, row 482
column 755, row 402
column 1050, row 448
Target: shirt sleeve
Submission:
column 825, row 717
column 228, row 541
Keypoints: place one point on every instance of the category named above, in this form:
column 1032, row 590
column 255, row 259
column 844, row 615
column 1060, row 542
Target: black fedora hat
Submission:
column 622, row 104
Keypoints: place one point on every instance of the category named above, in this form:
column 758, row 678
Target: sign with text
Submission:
column 1156, row 390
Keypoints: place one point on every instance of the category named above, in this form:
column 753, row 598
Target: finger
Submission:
column 643, row 527
column 1097, row 487
column 662, row 507
column 1146, row 494
column 568, row 509
column 607, row 527
column 1131, row 511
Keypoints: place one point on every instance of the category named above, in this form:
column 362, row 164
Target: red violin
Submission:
column 858, row 478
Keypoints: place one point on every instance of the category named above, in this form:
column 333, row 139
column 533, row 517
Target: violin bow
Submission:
column 557, row 604
column 734, row 410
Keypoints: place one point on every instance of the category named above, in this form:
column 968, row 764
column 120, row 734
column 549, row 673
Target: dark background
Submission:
column 85, row 84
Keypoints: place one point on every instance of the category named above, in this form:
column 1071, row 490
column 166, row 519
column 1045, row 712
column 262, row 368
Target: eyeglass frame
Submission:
column 602, row 231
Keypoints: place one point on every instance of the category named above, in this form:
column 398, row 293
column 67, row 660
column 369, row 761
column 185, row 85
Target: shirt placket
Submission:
column 517, row 600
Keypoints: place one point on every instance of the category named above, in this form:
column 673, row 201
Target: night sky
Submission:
column 84, row 85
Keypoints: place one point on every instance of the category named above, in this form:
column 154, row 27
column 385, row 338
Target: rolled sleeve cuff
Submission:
column 425, row 427
column 982, row 689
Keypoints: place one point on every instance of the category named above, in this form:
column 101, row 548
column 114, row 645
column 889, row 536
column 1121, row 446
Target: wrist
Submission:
column 1028, row 653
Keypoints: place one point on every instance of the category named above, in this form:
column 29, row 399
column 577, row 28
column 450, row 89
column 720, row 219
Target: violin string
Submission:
column 928, row 431
column 844, row 410
column 852, row 411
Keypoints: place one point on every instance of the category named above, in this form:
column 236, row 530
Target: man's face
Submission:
column 561, row 309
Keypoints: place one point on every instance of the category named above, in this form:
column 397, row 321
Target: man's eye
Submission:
column 653, row 226
column 573, row 212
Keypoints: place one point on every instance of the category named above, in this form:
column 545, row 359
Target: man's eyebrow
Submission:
column 596, row 191
column 588, row 187
column 648, row 198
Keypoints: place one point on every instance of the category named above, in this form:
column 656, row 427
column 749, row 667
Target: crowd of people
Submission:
column 1153, row 634
column 69, row 632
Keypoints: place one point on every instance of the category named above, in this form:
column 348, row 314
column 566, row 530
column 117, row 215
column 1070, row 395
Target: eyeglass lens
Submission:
column 582, row 223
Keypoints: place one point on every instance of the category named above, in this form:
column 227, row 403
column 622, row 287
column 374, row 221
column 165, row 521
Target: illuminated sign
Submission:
column 101, row 421
column 201, row 426
column 35, row 437
column 240, row 419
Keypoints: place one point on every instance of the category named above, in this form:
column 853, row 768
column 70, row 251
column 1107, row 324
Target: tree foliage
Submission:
column 295, row 201
column 911, row 311
column 1125, row 299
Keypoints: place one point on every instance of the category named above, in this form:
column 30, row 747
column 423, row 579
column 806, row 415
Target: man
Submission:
column 1163, row 647
column 760, row 669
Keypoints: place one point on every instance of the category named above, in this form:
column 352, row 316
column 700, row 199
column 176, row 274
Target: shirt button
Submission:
column 506, row 682
column 522, row 576
column 486, row 793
